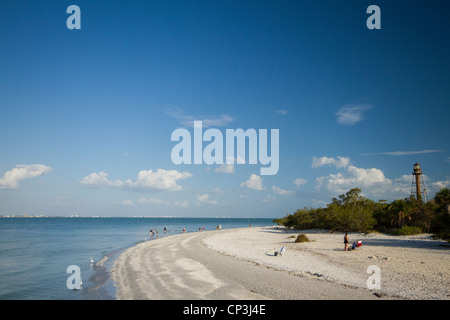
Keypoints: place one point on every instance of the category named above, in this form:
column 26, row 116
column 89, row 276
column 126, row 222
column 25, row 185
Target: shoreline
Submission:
column 239, row 264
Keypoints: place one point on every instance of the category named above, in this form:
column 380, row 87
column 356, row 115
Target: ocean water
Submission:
column 36, row 252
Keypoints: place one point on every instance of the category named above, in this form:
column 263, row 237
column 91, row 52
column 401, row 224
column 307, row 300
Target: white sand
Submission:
column 240, row 264
column 412, row 267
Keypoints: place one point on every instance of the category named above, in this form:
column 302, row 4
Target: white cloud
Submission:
column 322, row 161
column 225, row 168
column 127, row 202
column 401, row 186
column 269, row 198
column 146, row 180
column 282, row 112
column 254, row 182
column 367, row 177
column 204, row 199
column 99, row 180
column 404, row 153
column 209, row 121
column 404, row 184
column 299, row 181
column 340, row 162
column 370, row 181
column 319, row 203
column 157, row 181
column 155, row 200
column 220, row 121
column 351, row 114
column 282, row 192
column 11, row 178
column 437, row 185
column 182, row 203
column 319, row 162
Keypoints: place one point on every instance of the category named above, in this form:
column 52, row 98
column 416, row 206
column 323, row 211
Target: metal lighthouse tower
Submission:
column 417, row 182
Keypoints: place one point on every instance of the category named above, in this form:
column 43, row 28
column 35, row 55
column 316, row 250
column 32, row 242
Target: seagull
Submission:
column 92, row 260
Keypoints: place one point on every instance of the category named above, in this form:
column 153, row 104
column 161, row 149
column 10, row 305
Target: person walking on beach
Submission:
column 346, row 241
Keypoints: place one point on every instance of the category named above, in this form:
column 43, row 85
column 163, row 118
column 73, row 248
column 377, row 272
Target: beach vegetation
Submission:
column 407, row 231
column 352, row 212
column 442, row 203
column 302, row 238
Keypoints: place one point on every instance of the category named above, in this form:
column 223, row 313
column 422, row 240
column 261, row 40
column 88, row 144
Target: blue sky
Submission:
column 86, row 116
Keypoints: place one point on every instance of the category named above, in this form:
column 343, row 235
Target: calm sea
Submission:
column 36, row 252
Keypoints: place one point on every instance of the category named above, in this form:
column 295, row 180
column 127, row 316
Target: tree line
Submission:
column 352, row 212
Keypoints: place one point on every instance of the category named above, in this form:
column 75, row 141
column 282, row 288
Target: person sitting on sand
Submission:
column 346, row 242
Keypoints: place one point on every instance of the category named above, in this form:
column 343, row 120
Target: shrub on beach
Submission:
column 301, row 238
column 407, row 231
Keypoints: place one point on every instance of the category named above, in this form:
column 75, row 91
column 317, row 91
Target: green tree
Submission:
column 352, row 212
column 442, row 201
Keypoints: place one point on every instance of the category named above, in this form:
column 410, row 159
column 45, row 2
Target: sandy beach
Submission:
column 240, row 264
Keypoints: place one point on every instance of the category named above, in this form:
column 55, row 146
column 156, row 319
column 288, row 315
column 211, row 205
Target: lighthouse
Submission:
column 418, row 181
